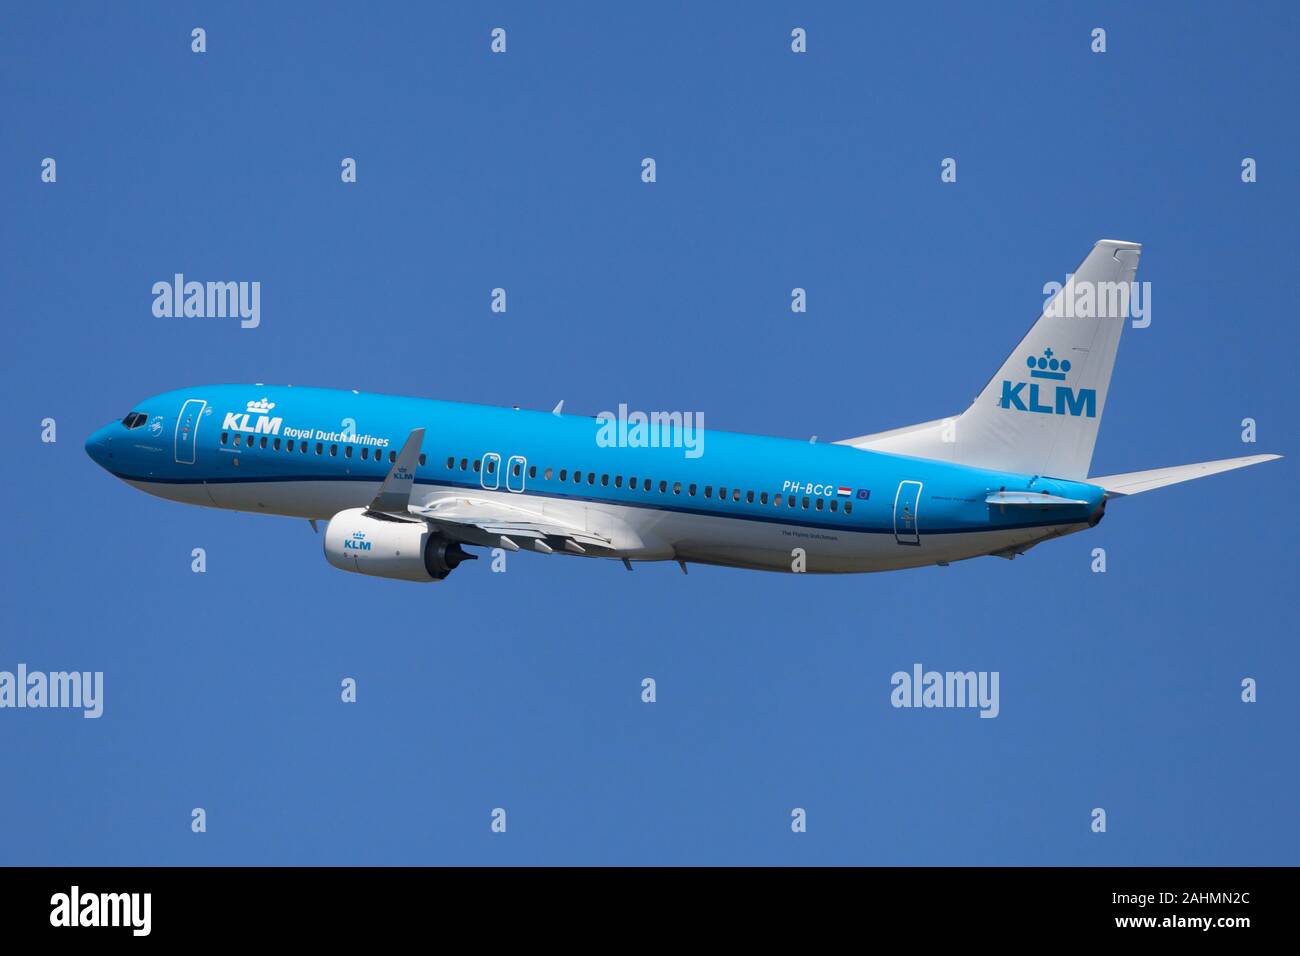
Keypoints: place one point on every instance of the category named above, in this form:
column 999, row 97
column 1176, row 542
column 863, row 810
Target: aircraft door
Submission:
column 906, row 502
column 187, row 430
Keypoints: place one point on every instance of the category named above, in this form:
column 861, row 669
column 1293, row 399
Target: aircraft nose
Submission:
column 99, row 446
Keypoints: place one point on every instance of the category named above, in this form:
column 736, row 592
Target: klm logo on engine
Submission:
column 357, row 542
column 1048, row 399
column 264, row 424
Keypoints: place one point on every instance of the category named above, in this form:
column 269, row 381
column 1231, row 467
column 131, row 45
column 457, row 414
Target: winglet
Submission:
column 395, row 493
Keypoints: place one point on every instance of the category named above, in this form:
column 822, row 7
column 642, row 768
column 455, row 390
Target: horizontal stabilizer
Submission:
column 1034, row 498
column 1136, row 482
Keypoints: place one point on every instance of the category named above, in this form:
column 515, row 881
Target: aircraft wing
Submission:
column 492, row 524
column 470, row 520
column 1136, row 482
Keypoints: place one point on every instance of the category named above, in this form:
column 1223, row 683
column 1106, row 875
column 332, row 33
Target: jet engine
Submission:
column 366, row 542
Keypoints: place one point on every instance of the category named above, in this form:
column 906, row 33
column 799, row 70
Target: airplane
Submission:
column 407, row 484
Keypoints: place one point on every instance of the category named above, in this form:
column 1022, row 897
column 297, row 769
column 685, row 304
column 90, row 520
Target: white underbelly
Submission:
column 639, row 533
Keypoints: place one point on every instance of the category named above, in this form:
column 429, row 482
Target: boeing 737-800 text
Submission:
column 406, row 483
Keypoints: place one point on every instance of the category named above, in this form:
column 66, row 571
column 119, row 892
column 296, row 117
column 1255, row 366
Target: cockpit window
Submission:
column 135, row 419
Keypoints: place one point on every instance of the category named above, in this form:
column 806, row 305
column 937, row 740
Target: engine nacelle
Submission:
column 389, row 547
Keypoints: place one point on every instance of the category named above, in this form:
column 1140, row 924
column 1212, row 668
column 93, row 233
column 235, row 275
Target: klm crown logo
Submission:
column 1065, row 401
column 1046, row 366
column 259, row 408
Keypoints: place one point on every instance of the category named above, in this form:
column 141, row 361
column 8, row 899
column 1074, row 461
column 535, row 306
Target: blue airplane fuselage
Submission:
column 733, row 499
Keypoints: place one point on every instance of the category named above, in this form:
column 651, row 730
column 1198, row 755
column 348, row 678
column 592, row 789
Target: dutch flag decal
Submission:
column 846, row 492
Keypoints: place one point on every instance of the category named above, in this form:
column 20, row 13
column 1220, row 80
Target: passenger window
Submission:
column 577, row 477
column 722, row 493
column 677, row 487
column 631, row 482
column 224, row 436
column 776, row 502
column 564, row 474
column 289, row 444
column 464, row 464
column 618, row 481
column 663, row 486
column 691, row 491
column 735, row 495
column 451, row 463
column 792, row 501
column 547, row 474
column 319, row 448
column 805, row 504
column 423, row 459
column 532, row 471
column 591, row 477
column 347, row 451
column 249, row 443
column 820, row 502
column 835, row 505
column 477, row 463
column 604, row 481
column 276, row 444
column 708, row 491
column 749, row 497
column 762, row 499
column 392, row 456
column 645, row 484
column 516, row 471
column 848, row 507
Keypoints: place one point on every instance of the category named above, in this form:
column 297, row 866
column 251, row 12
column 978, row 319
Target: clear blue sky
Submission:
column 521, row 690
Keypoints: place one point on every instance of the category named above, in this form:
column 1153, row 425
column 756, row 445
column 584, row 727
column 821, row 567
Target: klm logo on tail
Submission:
column 1065, row 401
